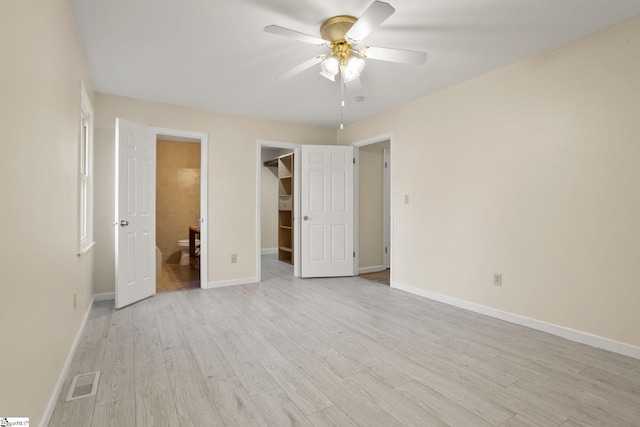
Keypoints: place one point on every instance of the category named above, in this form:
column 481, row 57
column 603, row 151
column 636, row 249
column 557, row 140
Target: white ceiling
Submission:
column 214, row 54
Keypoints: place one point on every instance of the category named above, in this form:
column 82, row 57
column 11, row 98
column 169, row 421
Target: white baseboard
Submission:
column 46, row 417
column 561, row 331
column 374, row 269
column 232, row 282
column 269, row 251
column 104, row 297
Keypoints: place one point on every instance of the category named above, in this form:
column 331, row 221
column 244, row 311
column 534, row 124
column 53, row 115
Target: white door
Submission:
column 135, row 213
column 326, row 205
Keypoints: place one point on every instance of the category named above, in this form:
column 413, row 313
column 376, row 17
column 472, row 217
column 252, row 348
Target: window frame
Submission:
column 85, row 174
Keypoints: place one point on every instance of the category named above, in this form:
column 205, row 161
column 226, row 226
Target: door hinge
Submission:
column 354, row 254
column 354, row 160
column 385, row 250
column 385, row 165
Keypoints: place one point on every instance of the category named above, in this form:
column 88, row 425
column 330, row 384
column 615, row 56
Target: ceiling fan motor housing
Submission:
column 334, row 28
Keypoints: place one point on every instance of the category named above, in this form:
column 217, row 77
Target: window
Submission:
column 85, row 174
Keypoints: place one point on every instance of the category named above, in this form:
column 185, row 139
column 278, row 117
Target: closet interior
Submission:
column 285, row 172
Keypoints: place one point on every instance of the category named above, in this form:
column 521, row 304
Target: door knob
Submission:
column 124, row 223
column 305, row 217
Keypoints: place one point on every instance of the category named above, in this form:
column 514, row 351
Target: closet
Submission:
column 284, row 165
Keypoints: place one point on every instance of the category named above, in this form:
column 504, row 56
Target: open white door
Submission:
column 326, row 204
column 135, row 213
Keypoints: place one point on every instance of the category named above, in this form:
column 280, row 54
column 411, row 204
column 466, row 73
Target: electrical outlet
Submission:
column 234, row 258
column 497, row 279
column 75, row 301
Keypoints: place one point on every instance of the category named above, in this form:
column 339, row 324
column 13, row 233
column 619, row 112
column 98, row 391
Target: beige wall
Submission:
column 177, row 194
column 104, row 211
column 40, row 270
column 232, row 175
column 531, row 171
column 371, row 179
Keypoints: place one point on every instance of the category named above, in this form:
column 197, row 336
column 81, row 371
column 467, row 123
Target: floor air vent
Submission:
column 83, row 385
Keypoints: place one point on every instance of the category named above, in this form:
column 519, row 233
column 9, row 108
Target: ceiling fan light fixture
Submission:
column 352, row 66
column 343, row 34
column 330, row 67
column 328, row 75
column 356, row 63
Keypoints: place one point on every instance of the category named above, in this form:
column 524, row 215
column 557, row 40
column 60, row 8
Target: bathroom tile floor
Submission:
column 177, row 277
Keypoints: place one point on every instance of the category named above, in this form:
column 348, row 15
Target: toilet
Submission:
column 183, row 247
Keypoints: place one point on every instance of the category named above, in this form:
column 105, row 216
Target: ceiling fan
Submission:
column 343, row 34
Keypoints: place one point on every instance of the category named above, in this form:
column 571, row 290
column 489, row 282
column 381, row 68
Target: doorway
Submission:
column 269, row 215
column 322, row 224
column 177, row 213
column 384, row 233
column 135, row 209
column 374, row 209
column 181, row 207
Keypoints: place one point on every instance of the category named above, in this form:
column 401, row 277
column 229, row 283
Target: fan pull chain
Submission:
column 342, row 103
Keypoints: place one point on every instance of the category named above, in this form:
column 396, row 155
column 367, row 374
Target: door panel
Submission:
column 338, row 191
column 316, row 191
column 135, row 213
column 316, row 235
column 327, row 211
column 338, row 242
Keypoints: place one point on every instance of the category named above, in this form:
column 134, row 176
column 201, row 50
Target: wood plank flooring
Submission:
column 383, row 277
column 335, row 352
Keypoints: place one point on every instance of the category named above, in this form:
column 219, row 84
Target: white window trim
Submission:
column 85, row 174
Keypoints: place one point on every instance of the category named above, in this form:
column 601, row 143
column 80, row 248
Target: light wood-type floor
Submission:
column 177, row 277
column 383, row 277
column 336, row 352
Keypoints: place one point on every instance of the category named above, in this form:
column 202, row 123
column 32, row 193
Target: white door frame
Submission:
column 356, row 210
column 204, row 193
column 361, row 143
column 386, row 208
column 260, row 143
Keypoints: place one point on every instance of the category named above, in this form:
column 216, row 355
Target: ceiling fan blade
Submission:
column 375, row 15
column 353, row 85
column 395, row 55
column 300, row 68
column 285, row 32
